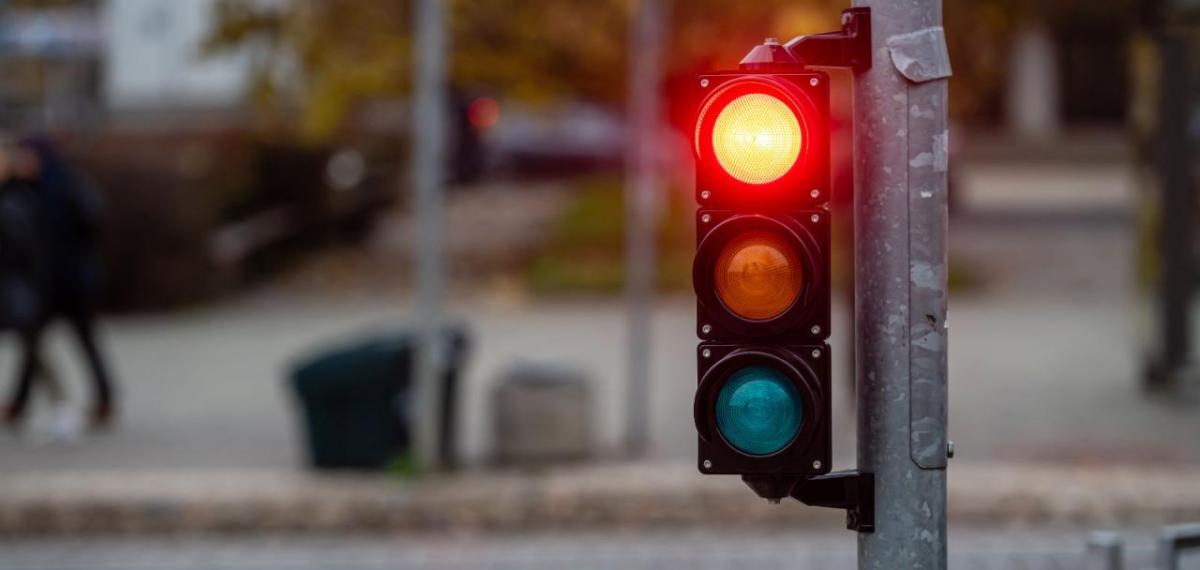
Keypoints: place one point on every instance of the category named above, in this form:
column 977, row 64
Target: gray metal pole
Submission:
column 427, row 140
column 1173, row 541
column 1105, row 551
column 642, row 191
column 901, row 146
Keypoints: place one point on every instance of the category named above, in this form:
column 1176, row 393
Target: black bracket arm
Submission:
column 849, row 490
column 848, row 47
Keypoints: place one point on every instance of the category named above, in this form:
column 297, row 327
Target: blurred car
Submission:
column 566, row 138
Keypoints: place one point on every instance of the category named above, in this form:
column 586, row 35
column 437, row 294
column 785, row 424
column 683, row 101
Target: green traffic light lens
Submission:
column 759, row 410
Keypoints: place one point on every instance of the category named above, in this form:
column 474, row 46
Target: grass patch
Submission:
column 586, row 250
column 585, row 253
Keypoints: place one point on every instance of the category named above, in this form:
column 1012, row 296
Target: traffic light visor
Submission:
column 759, row 411
column 758, row 275
column 756, row 138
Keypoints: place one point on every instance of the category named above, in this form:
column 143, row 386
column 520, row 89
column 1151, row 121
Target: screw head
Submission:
column 815, row 193
column 706, row 353
column 704, row 83
column 815, row 329
column 705, row 218
column 706, row 329
column 816, row 353
column 815, row 218
column 813, row 82
column 816, row 464
column 707, row 464
column 705, row 194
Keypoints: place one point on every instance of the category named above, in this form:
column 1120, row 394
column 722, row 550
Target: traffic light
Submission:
column 761, row 272
column 761, row 275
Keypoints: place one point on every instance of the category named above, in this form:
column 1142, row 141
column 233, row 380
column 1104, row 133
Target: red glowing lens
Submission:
column 756, row 138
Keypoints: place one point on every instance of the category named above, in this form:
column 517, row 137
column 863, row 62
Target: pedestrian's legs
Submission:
column 102, row 391
column 31, row 366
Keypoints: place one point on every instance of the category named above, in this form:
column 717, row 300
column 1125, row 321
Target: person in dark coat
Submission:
column 67, row 227
column 24, row 272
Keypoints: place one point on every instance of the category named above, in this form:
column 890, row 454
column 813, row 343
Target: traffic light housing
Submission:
column 761, row 275
column 789, row 382
column 761, row 272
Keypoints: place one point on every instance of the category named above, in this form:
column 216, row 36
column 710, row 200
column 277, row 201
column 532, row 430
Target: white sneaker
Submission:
column 63, row 424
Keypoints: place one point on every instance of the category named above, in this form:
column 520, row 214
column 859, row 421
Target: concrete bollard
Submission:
column 543, row 415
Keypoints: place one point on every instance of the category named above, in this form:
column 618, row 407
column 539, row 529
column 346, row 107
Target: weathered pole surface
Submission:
column 642, row 191
column 901, row 144
column 428, row 169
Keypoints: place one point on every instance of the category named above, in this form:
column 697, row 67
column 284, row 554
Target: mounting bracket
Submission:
column 849, row 490
column 849, row 47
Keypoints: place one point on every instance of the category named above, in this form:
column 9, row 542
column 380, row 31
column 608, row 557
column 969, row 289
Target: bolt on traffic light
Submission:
column 761, row 275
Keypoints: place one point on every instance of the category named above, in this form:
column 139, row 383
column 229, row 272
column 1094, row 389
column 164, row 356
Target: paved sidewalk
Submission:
column 649, row 495
column 1036, row 381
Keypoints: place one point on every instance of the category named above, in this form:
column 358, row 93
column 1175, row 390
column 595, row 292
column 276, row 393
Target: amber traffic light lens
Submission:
column 758, row 275
column 757, row 138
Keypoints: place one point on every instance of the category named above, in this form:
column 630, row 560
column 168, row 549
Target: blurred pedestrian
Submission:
column 24, row 273
column 65, row 227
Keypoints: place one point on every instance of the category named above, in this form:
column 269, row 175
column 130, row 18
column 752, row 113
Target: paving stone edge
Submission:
column 587, row 498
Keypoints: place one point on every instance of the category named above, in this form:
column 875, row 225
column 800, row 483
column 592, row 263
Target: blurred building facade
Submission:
column 153, row 54
column 72, row 65
column 52, row 59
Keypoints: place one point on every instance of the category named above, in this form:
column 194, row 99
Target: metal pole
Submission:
column 1105, row 551
column 1173, row 541
column 641, row 199
column 901, row 145
column 1175, row 237
column 427, row 141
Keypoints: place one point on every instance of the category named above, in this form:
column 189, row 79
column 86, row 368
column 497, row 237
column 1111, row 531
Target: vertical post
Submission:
column 1105, row 551
column 901, row 145
column 427, row 140
column 1177, row 207
column 641, row 200
column 1173, row 541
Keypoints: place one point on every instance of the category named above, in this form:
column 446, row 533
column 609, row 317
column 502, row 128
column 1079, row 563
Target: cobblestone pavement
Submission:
column 594, row 498
column 661, row 550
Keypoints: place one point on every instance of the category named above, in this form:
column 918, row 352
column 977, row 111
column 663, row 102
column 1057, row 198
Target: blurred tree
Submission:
column 979, row 33
column 324, row 56
column 321, row 55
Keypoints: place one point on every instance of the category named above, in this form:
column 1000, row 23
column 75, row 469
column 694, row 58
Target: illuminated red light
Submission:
column 754, row 132
column 483, row 113
column 756, row 138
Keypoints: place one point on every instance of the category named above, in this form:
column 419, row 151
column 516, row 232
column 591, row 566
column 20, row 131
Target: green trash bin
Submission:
column 352, row 398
